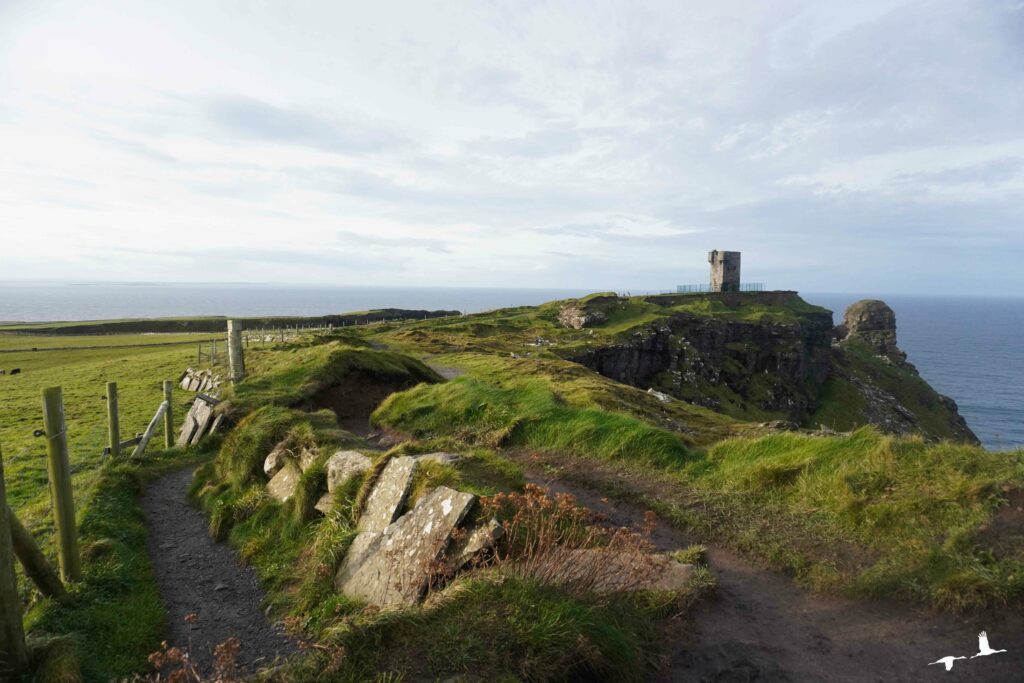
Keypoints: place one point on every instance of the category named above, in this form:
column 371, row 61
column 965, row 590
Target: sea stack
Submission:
column 874, row 323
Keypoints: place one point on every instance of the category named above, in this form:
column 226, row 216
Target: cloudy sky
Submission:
column 869, row 146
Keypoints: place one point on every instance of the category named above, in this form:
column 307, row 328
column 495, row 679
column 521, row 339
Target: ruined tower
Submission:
column 725, row 270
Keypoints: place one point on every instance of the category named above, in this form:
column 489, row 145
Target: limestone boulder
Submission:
column 275, row 460
column 284, row 484
column 386, row 500
column 472, row 544
column 324, row 503
column 344, row 465
column 394, row 567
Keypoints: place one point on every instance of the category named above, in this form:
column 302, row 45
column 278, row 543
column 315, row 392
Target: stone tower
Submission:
column 725, row 270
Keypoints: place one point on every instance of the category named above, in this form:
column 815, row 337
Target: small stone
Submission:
column 220, row 587
column 344, row 465
column 283, row 485
column 473, row 544
column 324, row 505
column 275, row 461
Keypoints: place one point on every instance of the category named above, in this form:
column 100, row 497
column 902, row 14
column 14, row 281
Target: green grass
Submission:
column 501, row 628
column 50, row 343
column 919, row 511
column 214, row 323
column 843, row 407
column 529, row 415
column 83, row 376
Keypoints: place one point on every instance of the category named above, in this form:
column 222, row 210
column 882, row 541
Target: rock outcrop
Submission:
column 879, row 387
column 874, row 323
column 576, row 316
column 389, row 493
column 402, row 550
column 774, row 366
column 394, row 566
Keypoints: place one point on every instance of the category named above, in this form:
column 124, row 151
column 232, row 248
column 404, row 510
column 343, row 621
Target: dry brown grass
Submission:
column 553, row 540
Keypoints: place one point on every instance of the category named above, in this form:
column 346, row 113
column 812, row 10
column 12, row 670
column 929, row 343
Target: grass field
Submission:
column 83, row 375
column 117, row 597
column 12, row 345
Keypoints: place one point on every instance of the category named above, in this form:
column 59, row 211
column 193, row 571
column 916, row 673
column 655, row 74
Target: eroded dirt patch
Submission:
column 760, row 626
column 354, row 400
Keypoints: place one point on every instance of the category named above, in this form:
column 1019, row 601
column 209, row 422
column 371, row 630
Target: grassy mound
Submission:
column 297, row 372
column 528, row 414
column 922, row 513
column 489, row 623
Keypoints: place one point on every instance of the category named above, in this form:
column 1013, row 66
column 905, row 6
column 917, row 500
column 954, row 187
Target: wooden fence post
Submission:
column 169, row 415
column 34, row 562
column 13, row 654
column 113, row 420
column 59, row 468
column 148, row 434
column 236, row 357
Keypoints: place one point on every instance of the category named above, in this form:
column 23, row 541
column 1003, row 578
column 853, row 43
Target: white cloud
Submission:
column 593, row 144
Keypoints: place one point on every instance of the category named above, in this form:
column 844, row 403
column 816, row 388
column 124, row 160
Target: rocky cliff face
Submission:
column 784, row 363
column 765, row 368
column 872, row 382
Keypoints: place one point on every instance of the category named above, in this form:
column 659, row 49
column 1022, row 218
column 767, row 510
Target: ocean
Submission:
column 967, row 348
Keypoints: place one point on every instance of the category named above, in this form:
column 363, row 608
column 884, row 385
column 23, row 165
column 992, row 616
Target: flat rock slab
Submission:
column 203, row 418
column 388, row 495
column 282, row 487
column 188, row 427
column 393, row 568
column 196, row 574
column 344, row 465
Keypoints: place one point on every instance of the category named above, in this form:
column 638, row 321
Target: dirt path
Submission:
column 195, row 574
column 762, row 627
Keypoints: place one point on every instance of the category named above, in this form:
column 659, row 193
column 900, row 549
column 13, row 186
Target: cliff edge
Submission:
column 765, row 356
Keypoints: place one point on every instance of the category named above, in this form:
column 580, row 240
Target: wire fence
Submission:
column 707, row 288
